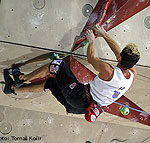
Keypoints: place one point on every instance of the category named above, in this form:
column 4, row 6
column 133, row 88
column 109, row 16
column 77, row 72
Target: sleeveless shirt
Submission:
column 106, row 92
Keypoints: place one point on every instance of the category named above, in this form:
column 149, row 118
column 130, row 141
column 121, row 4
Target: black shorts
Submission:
column 67, row 90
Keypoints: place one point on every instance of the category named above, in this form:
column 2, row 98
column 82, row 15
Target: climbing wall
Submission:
column 53, row 25
column 63, row 129
column 46, row 23
column 113, row 13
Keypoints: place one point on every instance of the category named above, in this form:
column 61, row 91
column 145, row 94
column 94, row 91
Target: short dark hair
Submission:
column 130, row 56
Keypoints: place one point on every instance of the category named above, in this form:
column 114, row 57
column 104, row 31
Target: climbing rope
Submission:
column 59, row 51
column 132, row 108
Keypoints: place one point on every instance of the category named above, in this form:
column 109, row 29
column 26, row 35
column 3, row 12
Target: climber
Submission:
column 108, row 86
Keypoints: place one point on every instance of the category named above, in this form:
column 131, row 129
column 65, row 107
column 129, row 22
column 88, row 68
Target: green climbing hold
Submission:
column 124, row 111
column 84, row 43
column 54, row 56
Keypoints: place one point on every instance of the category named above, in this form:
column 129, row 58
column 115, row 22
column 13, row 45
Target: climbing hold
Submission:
column 88, row 142
column 108, row 21
column 147, row 22
column 39, row 4
column 84, row 43
column 54, row 56
column 124, row 111
column 5, row 128
column 87, row 10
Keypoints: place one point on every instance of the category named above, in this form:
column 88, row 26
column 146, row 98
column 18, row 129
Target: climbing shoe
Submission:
column 8, row 83
column 16, row 73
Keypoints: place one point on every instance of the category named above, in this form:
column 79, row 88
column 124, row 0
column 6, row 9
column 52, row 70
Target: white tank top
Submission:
column 106, row 92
